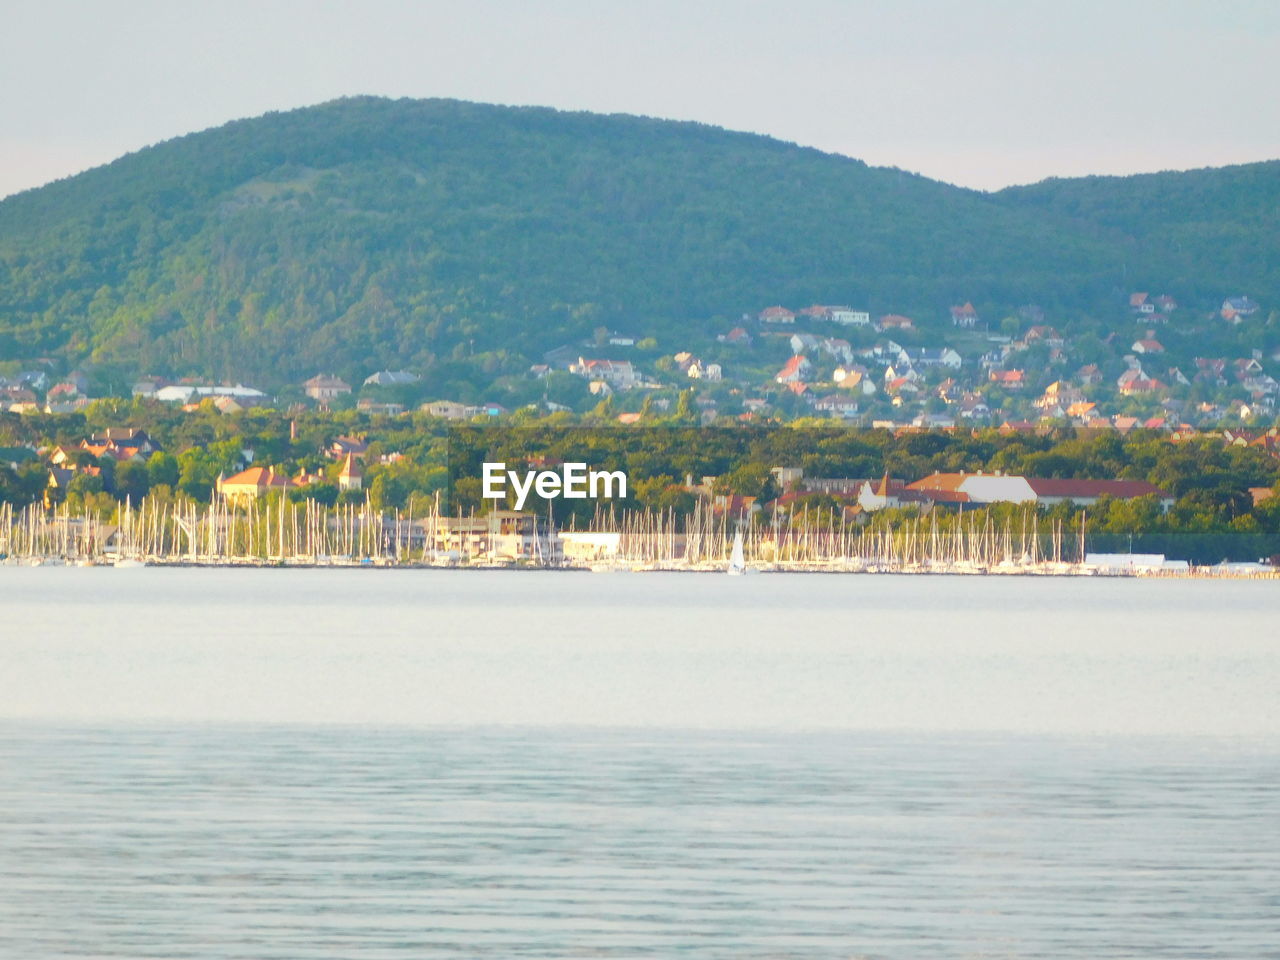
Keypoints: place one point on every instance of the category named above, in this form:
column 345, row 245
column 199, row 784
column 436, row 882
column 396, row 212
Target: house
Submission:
column 147, row 386
column 560, row 358
column 816, row 312
column 118, row 438
column 1058, row 395
column 226, row 405
column 1010, row 427
column 804, row 343
column 848, row 317
column 1124, row 424
column 777, row 315
column 1166, row 303
column 390, row 378
column 1246, row 367
column 324, row 387
column 887, row 351
column 837, row 405
column 895, row 321
column 796, row 370
column 193, row 393
column 342, row 447
column 1044, row 334
column 900, row 371
column 709, row 371
column 737, row 337
column 1009, row 379
column 1140, row 384
column 1086, row 493
column 947, row 391
column 1141, row 303
column 1089, row 374
column 448, row 410
column 901, row 389
column 619, row 374
column 934, row 421
column 1082, row 410
column 14, row 395
column 351, row 476
column 964, row 317
column 1002, row 488
column 889, row 492
column 1148, row 345
column 1211, row 370
column 683, row 360
column 934, row 357
column 1235, row 309
column 842, row 350
column 254, row 482
column 855, row 379
column 621, row 340
column 974, row 407
column 379, row 407
column 845, row 316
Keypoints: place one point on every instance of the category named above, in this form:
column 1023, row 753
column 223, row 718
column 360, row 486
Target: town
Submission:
column 935, row 416
column 1151, row 366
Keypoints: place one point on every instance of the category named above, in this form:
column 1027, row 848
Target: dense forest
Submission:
column 448, row 236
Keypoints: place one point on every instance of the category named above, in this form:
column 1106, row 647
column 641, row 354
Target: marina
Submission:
column 308, row 534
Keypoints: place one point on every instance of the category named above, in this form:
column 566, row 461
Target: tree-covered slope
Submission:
column 1200, row 233
column 366, row 232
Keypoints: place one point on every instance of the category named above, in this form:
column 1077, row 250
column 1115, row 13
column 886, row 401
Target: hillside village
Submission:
column 1159, row 366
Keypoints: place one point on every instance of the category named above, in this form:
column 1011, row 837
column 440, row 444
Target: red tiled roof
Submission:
column 1052, row 487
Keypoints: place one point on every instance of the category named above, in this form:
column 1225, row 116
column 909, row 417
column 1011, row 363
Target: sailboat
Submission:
column 737, row 563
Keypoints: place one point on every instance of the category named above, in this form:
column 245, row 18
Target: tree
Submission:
column 132, row 481
column 162, row 468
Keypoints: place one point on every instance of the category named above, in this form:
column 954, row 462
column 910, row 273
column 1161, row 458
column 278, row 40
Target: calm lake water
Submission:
column 306, row 764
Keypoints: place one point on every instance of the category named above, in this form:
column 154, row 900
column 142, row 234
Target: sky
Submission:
column 983, row 94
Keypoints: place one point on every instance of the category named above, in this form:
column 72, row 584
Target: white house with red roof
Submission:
column 1141, row 303
column 1148, row 344
column 737, row 336
column 619, row 374
column 777, row 315
column 797, row 370
column 1009, row 379
column 965, row 317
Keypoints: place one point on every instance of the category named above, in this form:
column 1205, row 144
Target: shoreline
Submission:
column 1061, row 570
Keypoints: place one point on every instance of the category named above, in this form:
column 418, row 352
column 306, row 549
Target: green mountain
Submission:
column 1205, row 234
column 367, row 233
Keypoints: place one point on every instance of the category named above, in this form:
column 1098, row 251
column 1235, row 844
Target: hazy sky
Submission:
column 982, row 94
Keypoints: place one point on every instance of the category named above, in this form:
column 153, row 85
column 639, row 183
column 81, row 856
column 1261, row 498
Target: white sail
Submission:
column 737, row 563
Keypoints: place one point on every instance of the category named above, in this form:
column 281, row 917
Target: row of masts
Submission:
column 220, row 532
column 829, row 538
column 282, row 531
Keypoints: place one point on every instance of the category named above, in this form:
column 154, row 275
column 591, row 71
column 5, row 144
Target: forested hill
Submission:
column 1200, row 232
column 365, row 233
